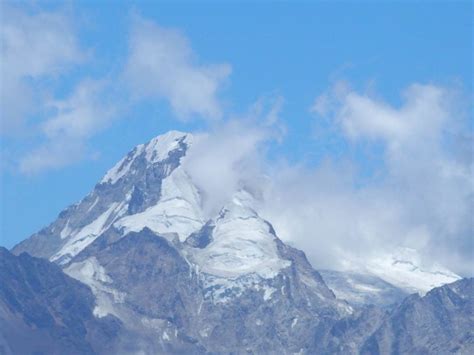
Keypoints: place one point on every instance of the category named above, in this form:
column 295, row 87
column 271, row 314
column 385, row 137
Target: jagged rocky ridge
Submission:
column 441, row 322
column 42, row 310
column 181, row 281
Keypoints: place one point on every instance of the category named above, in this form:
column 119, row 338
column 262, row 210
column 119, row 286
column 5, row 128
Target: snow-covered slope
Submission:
column 240, row 243
column 360, row 289
column 235, row 251
column 178, row 210
column 148, row 187
column 387, row 279
column 404, row 268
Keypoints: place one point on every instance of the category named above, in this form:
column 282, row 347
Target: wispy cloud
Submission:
column 34, row 46
column 75, row 119
column 41, row 46
column 161, row 64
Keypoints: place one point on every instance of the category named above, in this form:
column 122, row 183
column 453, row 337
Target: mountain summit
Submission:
column 146, row 188
column 141, row 242
column 149, row 188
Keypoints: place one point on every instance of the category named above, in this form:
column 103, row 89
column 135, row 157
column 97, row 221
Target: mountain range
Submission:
column 139, row 266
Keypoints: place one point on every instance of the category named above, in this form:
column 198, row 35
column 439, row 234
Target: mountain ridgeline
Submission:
column 137, row 266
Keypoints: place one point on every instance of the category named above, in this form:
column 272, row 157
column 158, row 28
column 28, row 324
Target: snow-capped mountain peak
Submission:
column 405, row 269
column 156, row 150
column 150, row 188
column 240, row 243
column 146, row 184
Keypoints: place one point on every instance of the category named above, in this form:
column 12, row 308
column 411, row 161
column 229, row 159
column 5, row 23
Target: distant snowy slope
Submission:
column 387, row 279
column 361, row 289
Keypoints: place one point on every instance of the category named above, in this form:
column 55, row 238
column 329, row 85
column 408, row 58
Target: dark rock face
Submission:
column 152, row 273
column 439, row 323
column 166, row 310
column 42, row 310
column 201, row 238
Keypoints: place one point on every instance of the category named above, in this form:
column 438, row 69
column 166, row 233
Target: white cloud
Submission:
column 220, row 161
column 161, row 64
column 75, row 119
column 37, row 47
column 229, row 156
column 52, row 155
column 424, row 199
column 33, row 46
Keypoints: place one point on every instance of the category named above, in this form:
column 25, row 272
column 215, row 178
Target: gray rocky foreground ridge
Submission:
column 138, row 266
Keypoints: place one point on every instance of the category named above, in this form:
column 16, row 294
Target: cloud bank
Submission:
column 421, row 197
column 424, row 198
column 230, row 155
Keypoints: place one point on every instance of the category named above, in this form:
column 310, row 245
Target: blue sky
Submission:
column 269, row 52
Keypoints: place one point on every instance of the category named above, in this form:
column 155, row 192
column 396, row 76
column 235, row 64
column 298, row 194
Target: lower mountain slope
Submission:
column 146, row 281
column 144, row 297
column 440, row 322
column 43, row 311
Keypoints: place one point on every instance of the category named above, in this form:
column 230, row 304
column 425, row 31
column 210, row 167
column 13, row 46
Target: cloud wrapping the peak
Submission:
column 230, row 155
column 161, row 64
column 420, row 195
